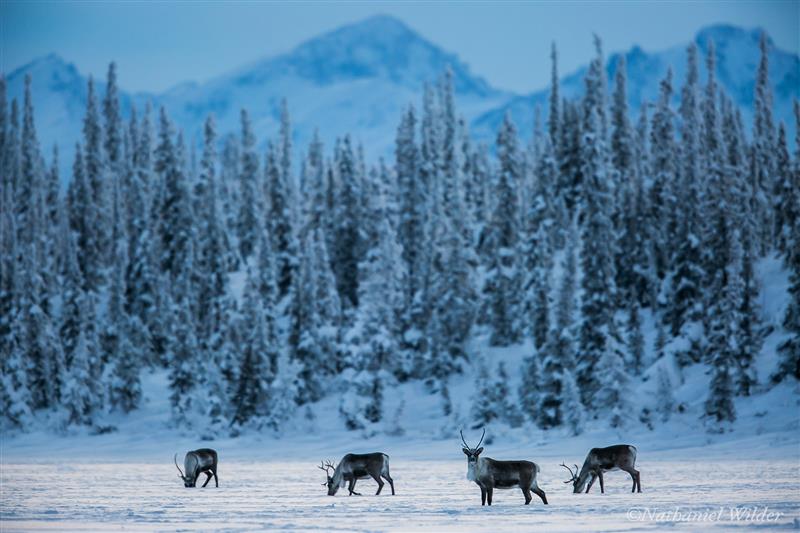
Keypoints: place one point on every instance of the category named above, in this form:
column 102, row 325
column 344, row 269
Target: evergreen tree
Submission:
column 252, row 396
column 685, row 291
column 764, row 152
column 663, row 168
column 597, row 328
column 100, row 216
column 176, row 219
column 571, row 406
column 250, row 206
column 789, row 349
column 558, row 361
column 502, row 271
column 348, row 244
column 279, row 216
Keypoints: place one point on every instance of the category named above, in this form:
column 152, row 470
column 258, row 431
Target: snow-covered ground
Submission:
column 687, row 493
column 692, row 479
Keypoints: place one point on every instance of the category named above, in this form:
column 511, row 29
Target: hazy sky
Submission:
column 159, row 44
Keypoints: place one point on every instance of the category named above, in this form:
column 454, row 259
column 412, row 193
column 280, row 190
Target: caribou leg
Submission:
column 483, row 496
column 591, row 482
column 391, row 482
column 638, row 480
column 539, row 492
column 602, row 489
column 352, row 487
column 216, row 479
column 489, row 491
column 208, row 478
column 378, row 480
column 527, row 493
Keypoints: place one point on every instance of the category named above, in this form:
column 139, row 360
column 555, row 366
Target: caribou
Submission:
column 353, row 467
column 195, row 463
column 599, row 460
column 489, row 474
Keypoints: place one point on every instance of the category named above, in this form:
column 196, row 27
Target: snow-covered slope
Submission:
column 358, row 78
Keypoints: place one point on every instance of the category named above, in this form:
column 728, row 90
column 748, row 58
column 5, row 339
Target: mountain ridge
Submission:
column 357, row 79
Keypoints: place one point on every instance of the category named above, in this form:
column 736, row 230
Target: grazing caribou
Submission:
column 490, row 474
column 197, row 462
column 599, row 460
column 355, row 466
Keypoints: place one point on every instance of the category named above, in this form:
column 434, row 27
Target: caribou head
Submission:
column 329, row 469
column 573, row 477
column 472, row 454
column 188, row 481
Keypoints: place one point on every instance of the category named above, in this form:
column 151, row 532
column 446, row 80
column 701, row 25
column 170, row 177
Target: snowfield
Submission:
column 431, row 496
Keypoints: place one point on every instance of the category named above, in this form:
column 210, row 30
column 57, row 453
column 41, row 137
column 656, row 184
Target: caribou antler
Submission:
column 463, row 440
column 176, row 465
column 573, row 475
column 467, row 445
column 326, row 466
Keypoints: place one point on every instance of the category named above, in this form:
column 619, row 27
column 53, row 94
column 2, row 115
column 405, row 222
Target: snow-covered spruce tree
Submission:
column 789, row 349
column 531, row 395
column 411, row 234
column 230, row 198
column 597, row 328
column 123, row 336
column 744, row 219
column 452, row 298
column 31, row 173
column 559, row 352
column 569, row 155
column 537, row 248
column 176, row 227
column 250, row 205
column 80, row 394
column 14, row 393
column 663, row 167
column 251, row 398
column 96, row 176
column 665, row 398
column 501, row 286
column 574, row 413
column 715, row 204
column 483, row 410
column 279, row 216
column 765, row 149
column 685, row 305
column 183, row 352
column 787, row 203
column 214, row 303
column 634, row 341
column 372, row 340
column 622, row 151
column 505, row 404
column 313, row 325
column 347, row 244
column 722, row 340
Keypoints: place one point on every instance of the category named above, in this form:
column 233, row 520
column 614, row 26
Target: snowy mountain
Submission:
column 358, row 78
column 737, row 60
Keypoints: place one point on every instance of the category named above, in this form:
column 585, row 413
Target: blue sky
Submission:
column 160, row 44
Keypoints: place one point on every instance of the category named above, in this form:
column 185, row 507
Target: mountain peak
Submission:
column 721, row 34
column 379, row 47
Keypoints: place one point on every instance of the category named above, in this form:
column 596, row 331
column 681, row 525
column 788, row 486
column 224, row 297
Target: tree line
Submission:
column 263, row 281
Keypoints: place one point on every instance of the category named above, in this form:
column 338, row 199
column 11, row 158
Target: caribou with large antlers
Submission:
column 599, row 460
column 489, row 474
column 353, row 467
column 195, row 463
